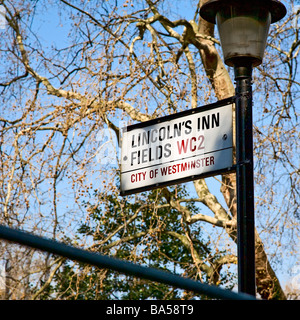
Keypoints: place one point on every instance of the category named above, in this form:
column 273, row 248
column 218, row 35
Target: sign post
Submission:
column 245, row 181
column 181, row 147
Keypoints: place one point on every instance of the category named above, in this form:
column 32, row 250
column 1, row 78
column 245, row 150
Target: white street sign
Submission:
column 177, row 148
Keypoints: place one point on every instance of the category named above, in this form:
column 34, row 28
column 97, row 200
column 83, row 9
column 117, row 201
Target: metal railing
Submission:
column 129, row 268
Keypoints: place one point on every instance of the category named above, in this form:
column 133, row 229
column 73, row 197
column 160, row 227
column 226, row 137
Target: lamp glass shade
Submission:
column 243, row 34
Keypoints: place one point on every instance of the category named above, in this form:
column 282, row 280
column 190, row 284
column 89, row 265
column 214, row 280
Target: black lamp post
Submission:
column 243, row 28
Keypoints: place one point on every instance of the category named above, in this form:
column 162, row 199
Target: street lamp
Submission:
column 243, row 28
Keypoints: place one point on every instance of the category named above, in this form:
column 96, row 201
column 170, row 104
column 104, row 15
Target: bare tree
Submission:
column 133, row 63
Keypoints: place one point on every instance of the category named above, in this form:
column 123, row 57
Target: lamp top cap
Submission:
column 209, row 10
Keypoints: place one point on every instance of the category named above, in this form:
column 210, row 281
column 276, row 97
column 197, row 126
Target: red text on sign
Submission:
column 190, row 144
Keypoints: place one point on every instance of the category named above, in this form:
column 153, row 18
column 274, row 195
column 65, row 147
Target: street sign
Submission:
column 181, row 147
